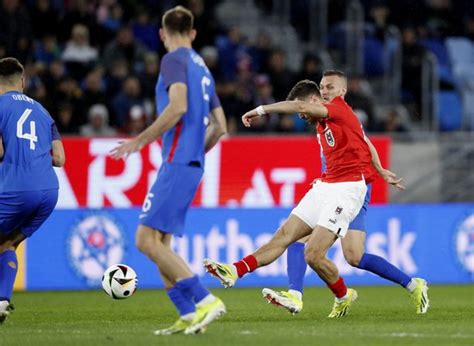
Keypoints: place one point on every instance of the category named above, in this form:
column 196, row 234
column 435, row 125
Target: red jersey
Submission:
column 343, row 142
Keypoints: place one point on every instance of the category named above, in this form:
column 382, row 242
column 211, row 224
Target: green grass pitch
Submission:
column 381, row 316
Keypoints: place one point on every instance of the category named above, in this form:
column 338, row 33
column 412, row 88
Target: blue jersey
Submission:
column 184, row 143
column 27, row 132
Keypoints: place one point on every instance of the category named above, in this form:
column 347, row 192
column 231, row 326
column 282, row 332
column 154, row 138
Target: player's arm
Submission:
column 216, row 129
column 57, row 153
column 306, row 109
column 177, row 106
column 1, row 149
column 388, row 176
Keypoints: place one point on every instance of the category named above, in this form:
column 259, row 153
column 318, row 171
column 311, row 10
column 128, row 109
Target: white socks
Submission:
column 206, row 300
column 3, row 305
column 296, row 293
column 411, row 286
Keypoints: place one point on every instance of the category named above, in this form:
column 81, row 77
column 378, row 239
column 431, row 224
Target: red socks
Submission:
column 338, row 288
column 246, row 265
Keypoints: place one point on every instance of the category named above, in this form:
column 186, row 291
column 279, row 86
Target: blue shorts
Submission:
column 358, row 224
column 25, row 210
column 169, row 198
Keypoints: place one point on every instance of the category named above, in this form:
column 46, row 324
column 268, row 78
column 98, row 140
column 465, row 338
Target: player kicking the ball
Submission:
column 327, row 209
column 186, row 98
column 334, row 84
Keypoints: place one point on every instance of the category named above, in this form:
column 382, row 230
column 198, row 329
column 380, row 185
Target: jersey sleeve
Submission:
column 55, row 133
column 173, row 69
column 336, row 110
column 215, row 102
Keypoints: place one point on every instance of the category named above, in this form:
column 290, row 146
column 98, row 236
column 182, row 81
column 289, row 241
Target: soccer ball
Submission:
column 119, row 281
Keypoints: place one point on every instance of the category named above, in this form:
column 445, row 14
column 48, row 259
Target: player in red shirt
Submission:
column 328, row 208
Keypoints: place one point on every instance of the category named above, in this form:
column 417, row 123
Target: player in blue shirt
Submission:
column 30, row 146
column 190, row 121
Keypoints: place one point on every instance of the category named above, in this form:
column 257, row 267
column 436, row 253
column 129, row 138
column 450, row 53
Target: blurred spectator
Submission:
column 136, row 121
column 205, row 22
column 149, row 76
column 235, row 104
column 360, row 99
column 312, row 68
column 44, row 19
column 15, row 32
column 263, row 96
column 210, row 55
column 442, row 19
column 64, row 119
column 78, row 55
column 280, row 76
column 118, row 72
column 230, row 47
column 413, row 54
column 80, row 12
column 124, row 48
column 68, row 91
column 393, row 121
column 55, row 73
column 47, row 50
column 110, row 17
column 98, row 123
column 94, row 88
column 145, row 31
column 378, row 15
column 261, row 50
column 124, row 101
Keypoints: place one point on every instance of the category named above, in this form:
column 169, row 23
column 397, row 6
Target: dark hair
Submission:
column 10, row 67
column 303, row 89
column 338, row 73
column 178, row 19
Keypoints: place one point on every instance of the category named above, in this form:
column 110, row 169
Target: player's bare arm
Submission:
column 58, row 154
column 216, row 129
column 305, row 109
column 387, row 175
column 1, row 148
column 178, row 105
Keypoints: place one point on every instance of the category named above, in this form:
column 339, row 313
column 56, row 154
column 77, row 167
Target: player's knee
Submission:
column 352, row 257
column 313, row 257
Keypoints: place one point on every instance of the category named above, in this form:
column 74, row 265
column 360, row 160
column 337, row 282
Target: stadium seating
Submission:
column 449, row 111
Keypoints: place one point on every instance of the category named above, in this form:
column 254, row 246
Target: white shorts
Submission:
column 332, row 205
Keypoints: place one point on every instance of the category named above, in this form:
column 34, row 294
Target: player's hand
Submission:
column 126, row 148
column 249, row 116
column 392, row 179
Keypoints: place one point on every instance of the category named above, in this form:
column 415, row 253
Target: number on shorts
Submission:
column 147, row 203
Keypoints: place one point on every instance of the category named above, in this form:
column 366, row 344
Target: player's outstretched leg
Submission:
column 292, row 300
column 419, row 294
column 286, row 300
column 292, row 230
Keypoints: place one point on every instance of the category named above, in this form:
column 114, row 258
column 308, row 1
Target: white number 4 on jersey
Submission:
column 24, row 135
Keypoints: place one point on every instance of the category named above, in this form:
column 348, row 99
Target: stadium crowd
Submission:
column 94, row 63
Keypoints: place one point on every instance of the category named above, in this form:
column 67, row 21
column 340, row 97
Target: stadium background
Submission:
column 94, row 65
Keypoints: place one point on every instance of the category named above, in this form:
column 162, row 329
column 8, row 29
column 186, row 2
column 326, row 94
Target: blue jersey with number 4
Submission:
column 184, row 143
column 27, row 132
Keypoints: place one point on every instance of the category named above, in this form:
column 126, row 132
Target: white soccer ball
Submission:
column 119, row 281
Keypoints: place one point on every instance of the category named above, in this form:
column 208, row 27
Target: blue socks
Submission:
column 8, row 270
column 196, row 290
column 183, row 304
column 384, row 269
column 186, row 293
column 296, row 266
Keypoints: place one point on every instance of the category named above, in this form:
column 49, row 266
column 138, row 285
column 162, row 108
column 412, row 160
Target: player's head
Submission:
column 177, row 24
column 11, row 75
column 305, row 90
column 333, row 84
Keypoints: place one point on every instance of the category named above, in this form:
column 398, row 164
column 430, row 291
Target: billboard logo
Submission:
column 95, row 243
column 465, row 243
